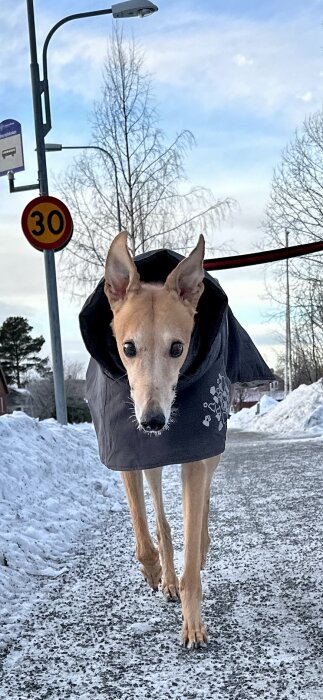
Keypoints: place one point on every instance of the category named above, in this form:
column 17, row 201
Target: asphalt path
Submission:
column 98, row 632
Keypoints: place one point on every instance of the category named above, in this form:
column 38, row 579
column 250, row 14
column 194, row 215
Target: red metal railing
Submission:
column 265, row 256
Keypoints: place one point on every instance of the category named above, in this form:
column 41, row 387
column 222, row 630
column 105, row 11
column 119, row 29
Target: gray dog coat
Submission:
column 220, row 353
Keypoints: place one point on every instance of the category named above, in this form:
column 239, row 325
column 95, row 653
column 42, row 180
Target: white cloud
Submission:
column 75, row 67
column 14, row 61
column 286, row 58
column 201, row 53
column 307, row 97
column 240, row 60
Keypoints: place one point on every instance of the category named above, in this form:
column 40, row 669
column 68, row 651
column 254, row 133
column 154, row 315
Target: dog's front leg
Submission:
column 211, row 465
column 194, row 480
column 146, row 553
column 166, row 552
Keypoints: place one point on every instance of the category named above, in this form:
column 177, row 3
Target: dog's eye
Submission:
column 176, row 349
column 129, row 349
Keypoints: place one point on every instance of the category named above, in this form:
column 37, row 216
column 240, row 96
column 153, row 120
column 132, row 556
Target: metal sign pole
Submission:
column 50, row 271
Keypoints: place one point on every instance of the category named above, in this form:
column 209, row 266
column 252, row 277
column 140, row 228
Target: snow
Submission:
column 244, row 418
column 301, row 412
column 52, row 487
column 68, row 566
column 98, row 632
column 18, row 390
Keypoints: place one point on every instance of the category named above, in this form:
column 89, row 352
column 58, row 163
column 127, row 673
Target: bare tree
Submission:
column 135, row 168
column 307, row 337
column 296, row 205
column 239, row 395
column 43, row 398
column 296, row 199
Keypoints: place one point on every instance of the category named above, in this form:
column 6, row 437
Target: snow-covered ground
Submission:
column 55, row 498
column 99, row 633
column 52, row 487
column 300, row 413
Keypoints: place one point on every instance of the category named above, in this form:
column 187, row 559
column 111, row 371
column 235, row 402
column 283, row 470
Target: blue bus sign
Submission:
column 11, row 151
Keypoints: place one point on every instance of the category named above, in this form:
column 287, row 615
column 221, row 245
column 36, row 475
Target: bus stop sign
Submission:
column 11, row 151
column 47, row 223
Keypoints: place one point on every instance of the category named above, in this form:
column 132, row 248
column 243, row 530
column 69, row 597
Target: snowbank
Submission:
column 244, row 419
column 52, row 485
column 300, row 412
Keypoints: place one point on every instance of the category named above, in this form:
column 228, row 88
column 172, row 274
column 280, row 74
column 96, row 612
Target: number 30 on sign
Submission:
column 47, row 223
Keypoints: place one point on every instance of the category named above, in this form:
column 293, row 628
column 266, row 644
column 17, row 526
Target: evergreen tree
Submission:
column 19, row 351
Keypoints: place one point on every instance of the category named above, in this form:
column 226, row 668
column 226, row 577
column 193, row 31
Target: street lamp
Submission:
column 122, row 10
column 50, row 147
column 130, row 8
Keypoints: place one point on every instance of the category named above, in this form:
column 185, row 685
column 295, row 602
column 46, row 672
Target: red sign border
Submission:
column 64, row 240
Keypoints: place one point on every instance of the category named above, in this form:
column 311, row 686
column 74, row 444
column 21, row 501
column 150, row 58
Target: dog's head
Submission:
column 152, row 325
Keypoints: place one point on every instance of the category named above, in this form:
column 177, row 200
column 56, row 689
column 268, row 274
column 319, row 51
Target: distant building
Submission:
column 20, row 400
column 4, row 391
column 246, row 396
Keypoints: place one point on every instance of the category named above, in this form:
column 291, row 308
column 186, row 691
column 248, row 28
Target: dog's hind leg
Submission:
column 211, row 465
column 194, row 480
column 146, row 552
column 166, row 552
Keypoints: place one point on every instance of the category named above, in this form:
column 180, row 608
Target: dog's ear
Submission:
column 187, row 277
column 121, row 274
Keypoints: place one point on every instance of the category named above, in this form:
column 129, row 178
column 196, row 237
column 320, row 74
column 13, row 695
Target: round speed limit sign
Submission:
column 47, row 223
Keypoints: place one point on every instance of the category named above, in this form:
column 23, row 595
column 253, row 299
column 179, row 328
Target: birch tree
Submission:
column 136, row 167
column 296, row 206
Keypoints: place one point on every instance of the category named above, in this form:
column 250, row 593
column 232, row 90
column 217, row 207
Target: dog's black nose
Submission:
column 153, row 422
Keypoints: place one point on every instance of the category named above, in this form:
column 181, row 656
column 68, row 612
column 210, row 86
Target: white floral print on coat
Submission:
column 219, row 404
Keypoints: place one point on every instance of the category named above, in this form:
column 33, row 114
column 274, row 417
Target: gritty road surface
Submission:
column 98, row 632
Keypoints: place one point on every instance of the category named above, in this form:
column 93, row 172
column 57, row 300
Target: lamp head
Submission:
column 133, row 8
column 53, row 147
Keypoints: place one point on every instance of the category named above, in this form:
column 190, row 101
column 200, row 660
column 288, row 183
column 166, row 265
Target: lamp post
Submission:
column 130, row 8
column 50, row 147
column 288, row 341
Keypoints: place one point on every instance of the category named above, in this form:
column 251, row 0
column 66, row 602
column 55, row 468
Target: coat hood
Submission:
column 244, row 363
column 96, row 317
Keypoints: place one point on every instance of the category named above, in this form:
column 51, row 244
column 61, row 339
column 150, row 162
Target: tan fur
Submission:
column 152, row 317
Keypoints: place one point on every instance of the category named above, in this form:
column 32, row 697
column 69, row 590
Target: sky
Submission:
column 241, row 75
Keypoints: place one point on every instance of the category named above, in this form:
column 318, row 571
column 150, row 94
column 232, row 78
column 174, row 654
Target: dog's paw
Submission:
column 194, row 638
column 152, row 575
column 170, row 590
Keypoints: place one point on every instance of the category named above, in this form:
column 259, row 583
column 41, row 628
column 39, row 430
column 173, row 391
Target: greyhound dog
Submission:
column 152, row 325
